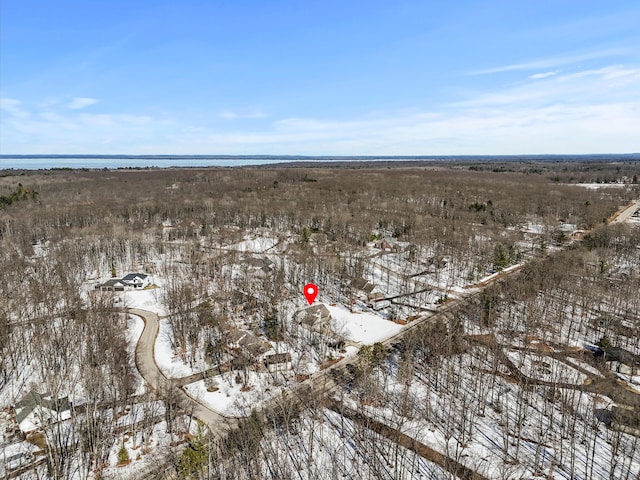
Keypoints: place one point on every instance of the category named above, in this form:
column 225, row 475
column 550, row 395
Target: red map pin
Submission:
column 311, row 292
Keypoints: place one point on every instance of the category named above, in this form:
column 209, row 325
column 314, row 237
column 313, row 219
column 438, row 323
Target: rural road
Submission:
column 145, row 361
column 626, row 213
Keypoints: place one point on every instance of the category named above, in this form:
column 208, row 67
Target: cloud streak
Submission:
column 79, row 103
column 554, row 61
column 538, row 76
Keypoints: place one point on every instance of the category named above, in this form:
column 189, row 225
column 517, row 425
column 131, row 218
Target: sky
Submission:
column 297, row 77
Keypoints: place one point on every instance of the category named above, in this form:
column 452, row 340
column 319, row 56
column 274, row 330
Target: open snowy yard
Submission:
column 363, row 327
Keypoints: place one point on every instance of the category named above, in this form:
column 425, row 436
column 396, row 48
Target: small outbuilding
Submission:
column 278, row 362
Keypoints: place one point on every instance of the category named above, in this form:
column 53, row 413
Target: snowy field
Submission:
column 362, row 327
column 231, row 398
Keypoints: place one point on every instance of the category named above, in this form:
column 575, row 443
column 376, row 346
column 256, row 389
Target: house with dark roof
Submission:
column 622, row 356
column 112, row 285
column 388, row 244
column 132, row 281
column 136, row 281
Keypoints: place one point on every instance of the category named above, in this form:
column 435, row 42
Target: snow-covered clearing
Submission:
column 148, row 299
column 254, row 245
column 231, row 398
column 363, row 327
column 169, row 362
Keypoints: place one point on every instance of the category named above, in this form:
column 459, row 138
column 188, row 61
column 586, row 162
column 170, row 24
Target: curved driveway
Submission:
column 145, row 361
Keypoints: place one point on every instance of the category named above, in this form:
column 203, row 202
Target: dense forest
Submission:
column 499, row 383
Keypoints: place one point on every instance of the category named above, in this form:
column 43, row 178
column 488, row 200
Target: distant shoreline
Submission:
column 46, row 162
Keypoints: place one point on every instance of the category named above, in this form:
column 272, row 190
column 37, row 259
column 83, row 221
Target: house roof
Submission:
column 315, row 315
column 248, row 341
column 277, row 358
column 621, row 355
column 34, row 399
column 259, row 262
column 362, row 284
column 390, row 240
column 133, row 276
column 112, row 282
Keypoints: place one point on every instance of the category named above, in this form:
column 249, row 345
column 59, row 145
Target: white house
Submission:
column 136, row 281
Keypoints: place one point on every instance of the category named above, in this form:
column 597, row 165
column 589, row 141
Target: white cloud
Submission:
column 79, row 103
column 229, row 115
column 13, row 107
column 538, row 76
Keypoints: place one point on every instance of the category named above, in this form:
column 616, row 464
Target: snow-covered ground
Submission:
column 145, row 450
column 231, row 398
column 598, row 186
column 502, row 430
column 542, row 367
column 254, row 245
column 149, row 299
column 362, row 327
column 167, row 359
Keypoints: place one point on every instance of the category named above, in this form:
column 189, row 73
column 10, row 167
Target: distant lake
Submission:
column 36, row 163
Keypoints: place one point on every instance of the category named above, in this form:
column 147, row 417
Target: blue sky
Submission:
column 319, row 78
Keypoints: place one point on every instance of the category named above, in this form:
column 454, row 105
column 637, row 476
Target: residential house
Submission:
column 363, row 288
column 262, row 263
column 112, row 285
column 247, row 342
column 622, row 357
column 392, row 244
column 316, row 318
column 36, row 410
column 132, row 281
column 278, row 362
column 388, row 244
column 136, row 281
column 379, row 304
